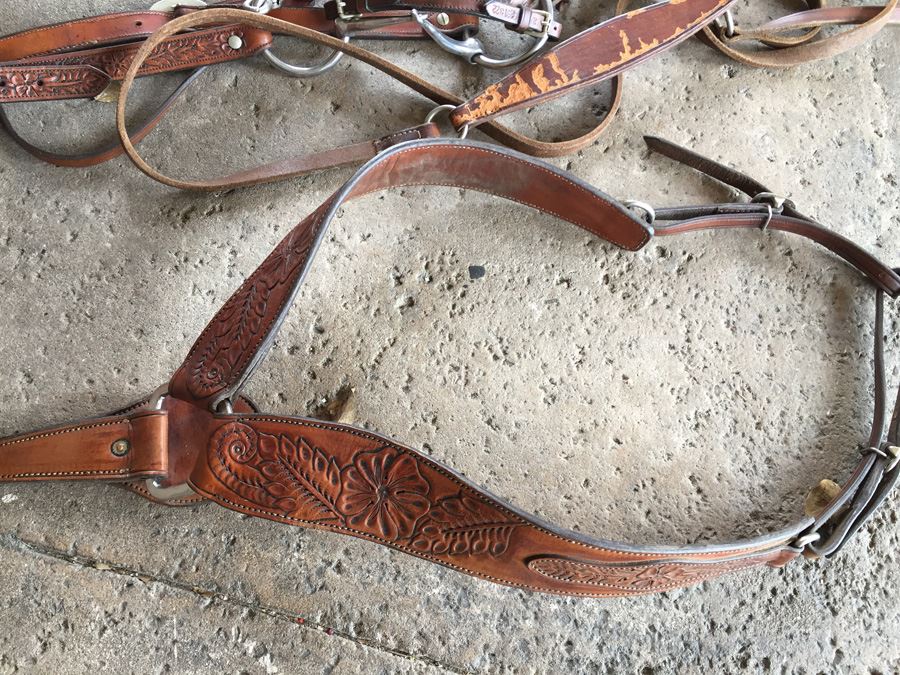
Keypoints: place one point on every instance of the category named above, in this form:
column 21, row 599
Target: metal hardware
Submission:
column 261, row 6
column 305, row 71
column 167, row 494
column 894, row 452
column 110, row 94
column 235, row 42
column 873, row 451
column 805, row 540
column 225, row 406
column 461, row 133
column 769, row 213
column 649, row 211
column 121, row 447
column 170, row 5
column 342, row 14
column 442, row 19
column 157, row 397
column 777, row 201
column 471, row 48
column 728, row 18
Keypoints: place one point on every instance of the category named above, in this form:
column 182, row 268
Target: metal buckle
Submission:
column 894, row 452
column 471, row 48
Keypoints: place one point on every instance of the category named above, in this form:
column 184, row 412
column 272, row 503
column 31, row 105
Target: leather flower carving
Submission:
column 24, row 84
column 384, row 493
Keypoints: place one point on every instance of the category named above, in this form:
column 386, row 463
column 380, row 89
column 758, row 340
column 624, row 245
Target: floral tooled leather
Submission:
column 329, row 476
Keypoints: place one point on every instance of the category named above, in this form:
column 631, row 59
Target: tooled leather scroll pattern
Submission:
column 35, row 84
column 646, row 577
column 635, row 33
column 229, row 342
column 176, row 53
column 382, row 492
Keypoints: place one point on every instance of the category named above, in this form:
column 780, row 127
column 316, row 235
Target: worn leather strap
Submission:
column 324, row 475
column 277, row 171
column 105, row 153
column 595, row 55
column 866, row 23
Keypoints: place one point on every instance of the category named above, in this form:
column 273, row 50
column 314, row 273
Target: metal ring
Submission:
column 225, row 406
column 894, row 452
column 649, row 211
column 305, row 71
column 872, row 450
column 155, row 402
column 729, row 29
column 168, row 494
column 461, row 133
column 549, row 16
column 806, row 539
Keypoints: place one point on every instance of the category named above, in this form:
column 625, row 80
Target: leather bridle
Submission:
column 88, row 58
column 198, row 438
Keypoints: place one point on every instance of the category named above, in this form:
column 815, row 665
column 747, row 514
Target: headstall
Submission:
column 197, row 438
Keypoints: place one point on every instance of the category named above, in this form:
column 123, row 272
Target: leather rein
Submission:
column 198, row 438
column 100, row 58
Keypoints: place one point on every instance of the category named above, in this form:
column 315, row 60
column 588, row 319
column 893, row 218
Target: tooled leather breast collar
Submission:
column 197, row 438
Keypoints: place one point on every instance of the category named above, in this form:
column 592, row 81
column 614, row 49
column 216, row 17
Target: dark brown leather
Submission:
column 592, row 56
column 325, row 475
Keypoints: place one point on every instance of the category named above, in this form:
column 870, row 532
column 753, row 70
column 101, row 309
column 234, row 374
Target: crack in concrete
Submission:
column 14, row 542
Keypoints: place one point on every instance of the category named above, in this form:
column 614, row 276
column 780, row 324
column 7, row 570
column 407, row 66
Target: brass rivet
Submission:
column 235, row 42
column 442, row 19
column 120, row 448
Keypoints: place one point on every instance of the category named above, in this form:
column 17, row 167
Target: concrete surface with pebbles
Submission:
column 691, row 392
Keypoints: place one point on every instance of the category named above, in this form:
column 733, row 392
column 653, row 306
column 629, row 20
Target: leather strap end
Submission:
column 110, row 448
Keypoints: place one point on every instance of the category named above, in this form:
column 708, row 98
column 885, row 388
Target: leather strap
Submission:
column 105, row 153
column 785, row 52
column 296, row 166
column 595, row 55
column 108, row 448
column 324, row 475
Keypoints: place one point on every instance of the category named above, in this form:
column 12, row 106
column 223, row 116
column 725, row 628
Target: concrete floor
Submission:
column 691, row 392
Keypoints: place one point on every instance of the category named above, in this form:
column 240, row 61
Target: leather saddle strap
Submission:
column 277, row 171
column 867, row 22
column 328, row 476
column 115, row 448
